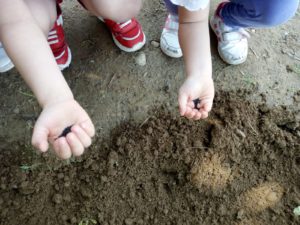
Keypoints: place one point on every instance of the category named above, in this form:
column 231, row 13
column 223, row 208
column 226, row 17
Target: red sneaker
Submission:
column 128, row 36
column 58, row 45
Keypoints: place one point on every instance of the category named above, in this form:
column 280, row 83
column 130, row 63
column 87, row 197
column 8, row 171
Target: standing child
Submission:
column 33, row 38
column 186, row 33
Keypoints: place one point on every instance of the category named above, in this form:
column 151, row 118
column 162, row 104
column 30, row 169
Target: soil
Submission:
column 240, row 165
column 147, row 165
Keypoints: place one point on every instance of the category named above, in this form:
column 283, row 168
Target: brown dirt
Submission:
column 241, row 166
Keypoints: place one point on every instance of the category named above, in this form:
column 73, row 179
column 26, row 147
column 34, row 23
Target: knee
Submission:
column 284, row 10
column 44, row 14
column 117, row 10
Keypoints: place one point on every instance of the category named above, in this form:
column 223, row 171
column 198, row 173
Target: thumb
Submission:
column 40, row 138
column 182, row 101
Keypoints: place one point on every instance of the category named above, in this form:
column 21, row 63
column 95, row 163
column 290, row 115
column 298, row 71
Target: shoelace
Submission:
column 235, row 35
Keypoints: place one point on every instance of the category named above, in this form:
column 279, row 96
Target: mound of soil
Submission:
column 240, row 166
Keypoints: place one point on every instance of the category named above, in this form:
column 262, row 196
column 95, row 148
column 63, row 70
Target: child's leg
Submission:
column 116, row 10
column 257, row 13
column 44, row 13
column 119, row 15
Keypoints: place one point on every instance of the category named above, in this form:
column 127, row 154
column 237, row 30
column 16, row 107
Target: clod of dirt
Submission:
column 140, row 59
column 262, row 197
column 112, row 163
column 85, row 192
column 210, row 173
column 129, row 221
column 57, row 198
column 250, row 221
column 240, row 214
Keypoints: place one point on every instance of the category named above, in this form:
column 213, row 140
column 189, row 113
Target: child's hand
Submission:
column 54, row 119
column 196, row 87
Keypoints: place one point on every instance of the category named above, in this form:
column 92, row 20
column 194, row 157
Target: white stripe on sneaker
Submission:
column 52, row 37
column 61, row 54
column 125, row 24
column 52, row 32
column 53, row 42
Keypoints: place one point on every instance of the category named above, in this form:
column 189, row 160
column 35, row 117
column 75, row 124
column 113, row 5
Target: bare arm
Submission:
column 27, row 46
column 195, row 43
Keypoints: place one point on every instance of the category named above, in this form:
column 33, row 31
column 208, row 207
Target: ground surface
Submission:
column 148, row 165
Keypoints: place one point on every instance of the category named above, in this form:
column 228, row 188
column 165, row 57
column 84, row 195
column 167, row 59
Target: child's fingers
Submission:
column 191, row 104
column 206, row 105
column 84, row 138
column 204, row 114
column 62, row 148
column 88, row 127
column 190, row 114
column 197, row 116
column 182, row 101
column 40, row 138
column 75, row 144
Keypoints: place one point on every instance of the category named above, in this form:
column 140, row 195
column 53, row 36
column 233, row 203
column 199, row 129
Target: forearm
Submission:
column 195, row 42
column 28, row 48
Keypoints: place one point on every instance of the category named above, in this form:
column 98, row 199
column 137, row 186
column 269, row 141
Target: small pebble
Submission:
column 272, row 197
column 67, row 184
column 149, row 130
column 104, row 179
column 73, row 220
column 16, row 110
column 240, row 133
column 140, row 59
column 296, row 211
column 155, row 44
column 67, row 198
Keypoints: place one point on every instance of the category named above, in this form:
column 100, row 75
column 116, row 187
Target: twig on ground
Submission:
column 254, row 131
column 145, row 121
column 112, row 78
column 27, row 94
column 254, row 52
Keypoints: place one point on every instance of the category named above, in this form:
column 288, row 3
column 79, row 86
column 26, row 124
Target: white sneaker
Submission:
column 232, row 41
column 5, row 62
column 169, row 42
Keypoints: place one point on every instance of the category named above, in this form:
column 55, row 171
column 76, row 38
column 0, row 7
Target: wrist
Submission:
column 203, row 74
column 55, row 98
